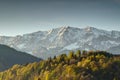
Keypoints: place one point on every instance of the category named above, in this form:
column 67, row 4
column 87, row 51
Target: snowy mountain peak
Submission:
column 49, row 43
column 89, row 28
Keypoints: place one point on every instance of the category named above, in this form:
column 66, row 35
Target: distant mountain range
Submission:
column 9, row 57
column 60, row 40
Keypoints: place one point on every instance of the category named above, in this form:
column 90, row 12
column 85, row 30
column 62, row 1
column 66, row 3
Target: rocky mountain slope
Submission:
column 59, row 40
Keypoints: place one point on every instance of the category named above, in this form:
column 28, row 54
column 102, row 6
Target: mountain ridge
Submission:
column 10, row 56
column 52, row 42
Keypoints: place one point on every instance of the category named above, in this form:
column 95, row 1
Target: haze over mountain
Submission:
column 9, row 57
column 25, row 16
column 59, row 40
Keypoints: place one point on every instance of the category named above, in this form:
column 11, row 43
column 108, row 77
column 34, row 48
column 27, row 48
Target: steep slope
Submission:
column 49, row 43
column 115, row 49
column 9, row 57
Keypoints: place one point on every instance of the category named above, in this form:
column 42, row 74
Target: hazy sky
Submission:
column 25, row 16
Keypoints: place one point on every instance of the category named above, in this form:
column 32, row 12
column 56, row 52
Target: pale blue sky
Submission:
column 25, row 16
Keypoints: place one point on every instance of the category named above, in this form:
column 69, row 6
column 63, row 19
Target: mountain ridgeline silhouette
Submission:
column 9, row 57
column 44, row 44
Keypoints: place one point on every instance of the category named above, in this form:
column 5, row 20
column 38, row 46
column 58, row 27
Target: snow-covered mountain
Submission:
column 59, row 40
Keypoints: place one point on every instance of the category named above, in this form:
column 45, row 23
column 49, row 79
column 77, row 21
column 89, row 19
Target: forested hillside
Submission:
column 79, row 65
column 10, row 57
